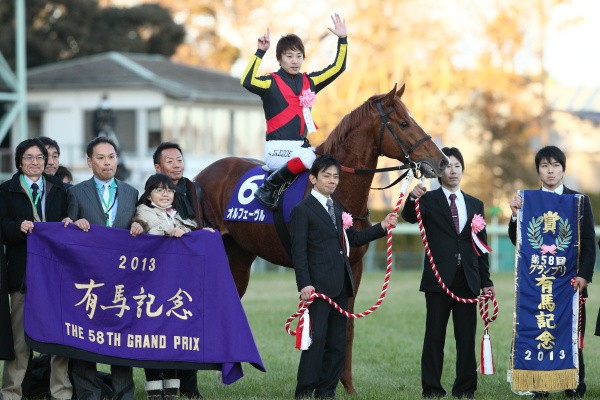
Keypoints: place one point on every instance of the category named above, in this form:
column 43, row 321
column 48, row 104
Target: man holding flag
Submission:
column 550, row 164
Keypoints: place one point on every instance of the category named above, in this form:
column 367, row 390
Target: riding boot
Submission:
column 170, row 389
column 268, row 193
column 154, row 390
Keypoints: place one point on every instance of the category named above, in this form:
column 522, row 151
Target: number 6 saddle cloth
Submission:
column 243, row 206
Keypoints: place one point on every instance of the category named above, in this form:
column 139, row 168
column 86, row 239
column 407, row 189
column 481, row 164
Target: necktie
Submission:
column 36, row 201
column 106, row 193
column 330, row 211
column 454, row 212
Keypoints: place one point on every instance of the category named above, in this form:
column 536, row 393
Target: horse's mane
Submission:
column 348, row 123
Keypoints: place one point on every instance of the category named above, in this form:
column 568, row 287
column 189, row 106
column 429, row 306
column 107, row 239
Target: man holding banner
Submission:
column 555, row 259
column 29, row 197
column 105, row 201
column 168, row 160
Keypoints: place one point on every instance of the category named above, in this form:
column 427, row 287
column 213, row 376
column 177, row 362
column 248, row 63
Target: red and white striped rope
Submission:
column 303, row 305
column 481, row 299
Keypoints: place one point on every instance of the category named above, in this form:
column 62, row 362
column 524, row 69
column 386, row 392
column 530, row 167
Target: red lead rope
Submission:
column 482, row 299
column 303, row 305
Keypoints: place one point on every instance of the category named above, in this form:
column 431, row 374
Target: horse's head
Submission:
column 400, row 136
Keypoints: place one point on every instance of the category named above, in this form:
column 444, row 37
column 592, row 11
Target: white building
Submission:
column 206, row 111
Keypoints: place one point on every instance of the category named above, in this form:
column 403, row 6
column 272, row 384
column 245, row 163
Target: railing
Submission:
column 502, row 258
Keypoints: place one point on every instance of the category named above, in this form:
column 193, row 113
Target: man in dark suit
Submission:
column 30, row 196
column 106, row 201
column 168, row 160
column 550, row 163
column 321, row 264
column 447, row 213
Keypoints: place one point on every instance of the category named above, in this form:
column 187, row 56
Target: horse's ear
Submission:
column 401, row 91
column 389, row 98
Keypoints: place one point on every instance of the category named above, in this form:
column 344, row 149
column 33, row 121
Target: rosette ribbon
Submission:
column 307, row 100
column 477, row 225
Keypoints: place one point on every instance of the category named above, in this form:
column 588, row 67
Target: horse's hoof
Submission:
column 350, row 390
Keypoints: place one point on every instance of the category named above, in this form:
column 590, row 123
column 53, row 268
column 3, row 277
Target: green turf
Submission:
column 387, row 346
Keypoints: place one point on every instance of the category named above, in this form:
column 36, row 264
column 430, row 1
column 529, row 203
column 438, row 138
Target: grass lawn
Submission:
column 387, row 345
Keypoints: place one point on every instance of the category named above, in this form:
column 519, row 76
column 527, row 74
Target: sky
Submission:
column 572, row 56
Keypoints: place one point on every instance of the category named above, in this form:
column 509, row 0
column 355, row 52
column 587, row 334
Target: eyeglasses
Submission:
column 29, row 158
column 163, row 191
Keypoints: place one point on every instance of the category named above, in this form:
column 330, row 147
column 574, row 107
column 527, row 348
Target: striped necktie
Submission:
column 454, row 212
column 330, row 211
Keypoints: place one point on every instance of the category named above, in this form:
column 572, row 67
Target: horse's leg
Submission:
column 346, row 377
column 240, row 262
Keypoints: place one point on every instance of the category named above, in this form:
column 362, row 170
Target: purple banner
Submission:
column 544, row 354
column 243, row 206
column 147, row 301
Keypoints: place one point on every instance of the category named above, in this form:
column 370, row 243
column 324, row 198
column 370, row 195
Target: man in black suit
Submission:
column 168, row 160
column 447, row 213
column 550, row 163
column 321, row 264
column 105, row 201
column 29, row 197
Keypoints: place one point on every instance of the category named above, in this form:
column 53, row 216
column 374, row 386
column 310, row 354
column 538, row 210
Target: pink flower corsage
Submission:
column 307, row 98
column 346, row 220
column 477, row 225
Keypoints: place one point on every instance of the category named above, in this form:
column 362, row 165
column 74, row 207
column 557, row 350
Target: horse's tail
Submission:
column 204, row 211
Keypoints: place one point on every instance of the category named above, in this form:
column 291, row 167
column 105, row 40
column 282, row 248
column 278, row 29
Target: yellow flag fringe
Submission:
column 544, row 381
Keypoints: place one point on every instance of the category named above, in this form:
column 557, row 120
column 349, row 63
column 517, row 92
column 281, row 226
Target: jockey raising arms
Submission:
column 287, row 97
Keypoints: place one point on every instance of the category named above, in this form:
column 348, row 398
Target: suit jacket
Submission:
column 84, row 202
column 446, row 244
column 6, row 337
column 15, row 207
column 318, row 251
column 587, row 249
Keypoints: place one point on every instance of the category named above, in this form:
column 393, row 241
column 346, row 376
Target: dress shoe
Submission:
column 469, row 395
column 574, row 394
column 539, row 395
column 433, row 395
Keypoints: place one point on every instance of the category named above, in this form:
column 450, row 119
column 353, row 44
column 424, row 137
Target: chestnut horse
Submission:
column 380, row 126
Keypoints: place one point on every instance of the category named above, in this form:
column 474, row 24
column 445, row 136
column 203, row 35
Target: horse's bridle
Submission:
column 386, row 123
column 409, row 164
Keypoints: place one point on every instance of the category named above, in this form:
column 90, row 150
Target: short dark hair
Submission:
column 63, row 172
column 549, row 152
column 24, row 145
column 153, row 182
column 289, row 42
column 50, row 143
column 164, row 146
column 323, row 162
column 453, row 151
column 96, row 141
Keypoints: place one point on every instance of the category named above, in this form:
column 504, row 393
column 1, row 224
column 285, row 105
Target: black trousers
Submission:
column 188, row 386
column 159, row 374
column 321, row 365
column 464, row 318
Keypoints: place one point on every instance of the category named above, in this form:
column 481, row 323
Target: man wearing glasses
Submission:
column 29, row 196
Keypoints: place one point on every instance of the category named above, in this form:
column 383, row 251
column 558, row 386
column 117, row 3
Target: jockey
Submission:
column 287, row 97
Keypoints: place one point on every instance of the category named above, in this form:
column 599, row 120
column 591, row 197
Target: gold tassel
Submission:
column 544, row 381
